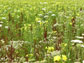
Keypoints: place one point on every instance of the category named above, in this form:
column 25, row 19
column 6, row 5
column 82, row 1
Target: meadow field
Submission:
column 41, row 31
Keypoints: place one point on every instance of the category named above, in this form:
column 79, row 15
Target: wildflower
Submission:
column 1, row 22
column 54, row 53
column 43, row 9
column 41, row 3
column 83, row 61
column 0, row 25
column 53, row 15
column 54, row 31
column 54, row 37
column 45, row 2
column 29, row 25
column 64, row 57
column 83, row 34
column 40, row 14
column 27, row 55
column 76, row 62
column 31, row 55
column 46, row 47
column 50, row 12
column 50, row 48
column 3, row 17
column 77, row 14
column 46, row 16
column 79, row 37
column 57, row 58
column 76, row 41
column 2, row 41
column 70, row 23
column 46, row 21
column 82, row 46
column 6, row 27
column 41, row 23
column 65, row 44
column 37, row 19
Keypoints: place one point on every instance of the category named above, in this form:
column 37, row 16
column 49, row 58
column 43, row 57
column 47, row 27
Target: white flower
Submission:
column 83, row 34
column 53, row 15
column 38, row 21
column 43, row 9
column 55, row 53
column 76, row 41
column 45, row 2
column 76, row 62
column 2, row 41
column 83, row 61
column 46, row 16
column 54, row 37
column 82, row 46
column 79, row 37
column 6, row 27
column 0, row 25
column 1, row 22
column 40, row 14
column 50, row 12
column 41, row 3
column 3, row 17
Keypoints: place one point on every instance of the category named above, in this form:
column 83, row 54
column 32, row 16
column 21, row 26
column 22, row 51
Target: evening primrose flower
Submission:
column 64, row 58
column 57, row 58
column 50, row 48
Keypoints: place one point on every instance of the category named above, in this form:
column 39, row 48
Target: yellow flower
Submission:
column 46, row 47
column 65, row 44
column 54, row 31
column 46, row 21
column 77, row 14
column 64, row 57
column 41, row 23
column 57, row 58
column 37, row 19
column 50, row 48
column 31, row 55
column 29, row 25
column 27, row 55
column 70, row 23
